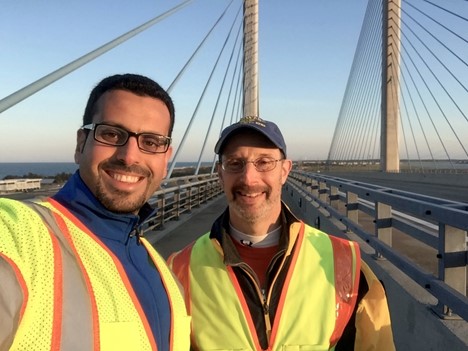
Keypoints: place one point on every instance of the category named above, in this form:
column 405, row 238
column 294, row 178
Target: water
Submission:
column 40, row 168
column 52, row 168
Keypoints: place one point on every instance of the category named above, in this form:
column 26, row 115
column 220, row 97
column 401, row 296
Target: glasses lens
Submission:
column 153, row 143
column 262, row 164
column 265, row 164
column 110, row 135
column 233, row 165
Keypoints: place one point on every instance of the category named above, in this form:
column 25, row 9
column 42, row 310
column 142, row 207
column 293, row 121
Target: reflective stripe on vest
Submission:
column 102, row 312
column 317, row 300
column 35, row 256
column 73, row 303
column 180, row 321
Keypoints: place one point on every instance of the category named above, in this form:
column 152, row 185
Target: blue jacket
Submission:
column 119, row 233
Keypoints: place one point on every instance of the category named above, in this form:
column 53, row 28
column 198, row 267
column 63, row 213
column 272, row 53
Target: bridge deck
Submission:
column 177, row 234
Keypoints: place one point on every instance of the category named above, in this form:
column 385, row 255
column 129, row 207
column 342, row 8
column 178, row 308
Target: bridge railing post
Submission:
column 190, row 199
column 199, row 195
column 162, row 210
column 177, row 206
column 452, row 262
column 352, row 211
column 308, row 184
column 383, row 225
column 334, row 197
column 323, row 195
column 314, row 188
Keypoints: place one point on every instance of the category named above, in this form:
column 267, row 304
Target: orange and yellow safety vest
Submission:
column 317, row 299
column 66, row 291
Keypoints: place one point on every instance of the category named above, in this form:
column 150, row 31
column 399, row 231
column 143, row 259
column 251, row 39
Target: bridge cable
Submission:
column 348, row 100
column 350, row 126
column 448, row 11
column 221, row 88
column 344, row 130
column 184, row 137
column 438, row 81
column 366, row 101
column 232, row 80
column 238, row 97
column 437, row 22
column 351, row 99
column 428, row 89
column 45, row 81
column 443, row 65
column 403, row 60
column 196, row 51
column 424, row 104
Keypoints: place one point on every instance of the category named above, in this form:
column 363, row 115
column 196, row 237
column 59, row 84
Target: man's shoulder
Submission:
column 185, row 253
column 5, row 201
column 22, row 231
column 14, row 209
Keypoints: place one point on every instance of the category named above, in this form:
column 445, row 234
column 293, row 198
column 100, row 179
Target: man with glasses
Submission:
column 263, row 280
column 75, row 271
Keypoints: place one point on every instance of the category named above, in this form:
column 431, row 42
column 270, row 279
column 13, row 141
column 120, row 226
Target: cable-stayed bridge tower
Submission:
column 251, row 58
column 389, row 144
column 405, row 103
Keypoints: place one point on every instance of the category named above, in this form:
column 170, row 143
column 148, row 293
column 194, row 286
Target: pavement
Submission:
column 177, row 234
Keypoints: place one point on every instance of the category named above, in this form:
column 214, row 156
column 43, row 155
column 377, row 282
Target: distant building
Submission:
column 13, row 185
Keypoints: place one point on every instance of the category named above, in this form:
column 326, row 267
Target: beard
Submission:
column 252, row 213
column 119, row 201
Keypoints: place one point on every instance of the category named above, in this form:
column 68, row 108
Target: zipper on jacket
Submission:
column 138, row 232
column 266, row 315
column 262, row 297
column 267, row 294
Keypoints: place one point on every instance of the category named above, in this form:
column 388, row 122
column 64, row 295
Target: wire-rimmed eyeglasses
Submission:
column 116, row 136
column 261, row 164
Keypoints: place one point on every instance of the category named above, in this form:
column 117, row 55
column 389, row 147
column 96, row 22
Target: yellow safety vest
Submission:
column 75, row 292
column 317, row 300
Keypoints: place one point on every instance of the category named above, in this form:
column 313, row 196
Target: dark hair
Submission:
column 134, row 83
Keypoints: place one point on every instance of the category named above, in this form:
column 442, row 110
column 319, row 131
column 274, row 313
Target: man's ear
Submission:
column 220, row 172
column 167, row 158
column 286, row 168
column 81, row 137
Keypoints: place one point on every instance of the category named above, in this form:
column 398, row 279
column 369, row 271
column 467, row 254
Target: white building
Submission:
column 11, row 185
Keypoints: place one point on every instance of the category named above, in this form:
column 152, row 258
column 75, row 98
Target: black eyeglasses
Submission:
column 116, row 136
column 261, row 164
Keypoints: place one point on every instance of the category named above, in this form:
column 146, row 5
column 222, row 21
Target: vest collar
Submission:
column 78, row 199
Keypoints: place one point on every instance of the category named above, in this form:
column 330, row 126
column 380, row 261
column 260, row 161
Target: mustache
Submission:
column 250, row 189
column 117, row 166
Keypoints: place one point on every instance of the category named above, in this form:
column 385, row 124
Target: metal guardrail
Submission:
column 180, row 195
column 440, row 224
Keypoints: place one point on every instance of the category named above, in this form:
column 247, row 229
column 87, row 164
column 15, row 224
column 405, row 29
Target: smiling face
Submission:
column 124, row 177
column 254, row 197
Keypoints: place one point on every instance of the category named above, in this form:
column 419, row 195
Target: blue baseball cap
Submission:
column 269, row 129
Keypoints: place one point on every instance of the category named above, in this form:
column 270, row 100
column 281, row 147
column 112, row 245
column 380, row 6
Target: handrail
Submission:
column 180, row 195
column 376, row 214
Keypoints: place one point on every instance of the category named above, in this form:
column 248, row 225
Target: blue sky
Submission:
column 305, row 52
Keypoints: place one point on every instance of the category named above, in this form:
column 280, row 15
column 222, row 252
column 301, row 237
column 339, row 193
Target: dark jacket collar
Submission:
column 78, row 199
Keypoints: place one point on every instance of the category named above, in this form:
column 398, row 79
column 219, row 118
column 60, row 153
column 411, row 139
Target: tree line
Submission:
column 59, row 178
